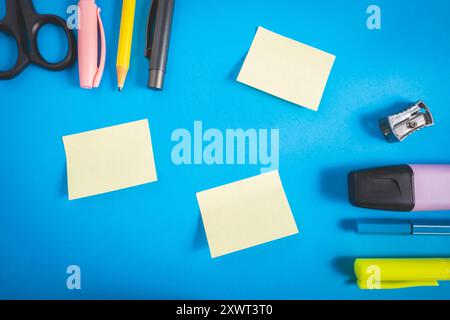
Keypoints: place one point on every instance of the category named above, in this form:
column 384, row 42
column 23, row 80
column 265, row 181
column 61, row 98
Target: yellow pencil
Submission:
column 125, row 40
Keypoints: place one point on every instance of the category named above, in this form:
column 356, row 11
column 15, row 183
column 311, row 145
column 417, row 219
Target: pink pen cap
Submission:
column 90, row 67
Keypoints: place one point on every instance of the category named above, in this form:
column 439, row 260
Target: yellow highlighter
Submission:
column 401, row 273
column 125, row 40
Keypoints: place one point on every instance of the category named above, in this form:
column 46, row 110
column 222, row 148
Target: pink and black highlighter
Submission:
column 401, row 188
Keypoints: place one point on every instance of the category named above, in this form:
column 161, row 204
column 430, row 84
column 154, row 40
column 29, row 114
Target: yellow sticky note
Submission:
column 287, row 69
column 109, row 159
column 246, row 213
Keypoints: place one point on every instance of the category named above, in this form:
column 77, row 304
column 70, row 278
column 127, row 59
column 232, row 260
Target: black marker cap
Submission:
column 386, row 188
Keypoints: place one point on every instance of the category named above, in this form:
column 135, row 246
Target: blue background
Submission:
column 148, row 241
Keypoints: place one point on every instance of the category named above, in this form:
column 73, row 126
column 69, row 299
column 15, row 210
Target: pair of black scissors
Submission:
column 23, row 23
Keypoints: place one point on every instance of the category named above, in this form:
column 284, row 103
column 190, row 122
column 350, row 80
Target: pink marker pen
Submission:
column 89, row 65
column 401, row 188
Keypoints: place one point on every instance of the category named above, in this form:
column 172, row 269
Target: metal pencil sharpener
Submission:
column 397, row 127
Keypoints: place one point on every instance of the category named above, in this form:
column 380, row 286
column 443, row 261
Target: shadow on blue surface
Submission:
column 237, row 68
column 64, row 185
column 344, row 266
column 349, row 224
column 200, row 241
column 333, row 182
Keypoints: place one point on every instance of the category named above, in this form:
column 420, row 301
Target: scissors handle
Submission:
column 23, row 23
column 10, row 26
column 34, row 53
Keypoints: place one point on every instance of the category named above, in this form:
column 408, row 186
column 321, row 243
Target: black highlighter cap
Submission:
column 386, row 188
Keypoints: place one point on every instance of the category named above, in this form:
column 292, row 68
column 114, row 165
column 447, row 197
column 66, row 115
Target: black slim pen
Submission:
column 158, row 37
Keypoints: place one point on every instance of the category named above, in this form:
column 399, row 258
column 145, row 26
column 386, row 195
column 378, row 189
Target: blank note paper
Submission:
column 287, row 69
column 246, row 213
column 109, row 159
